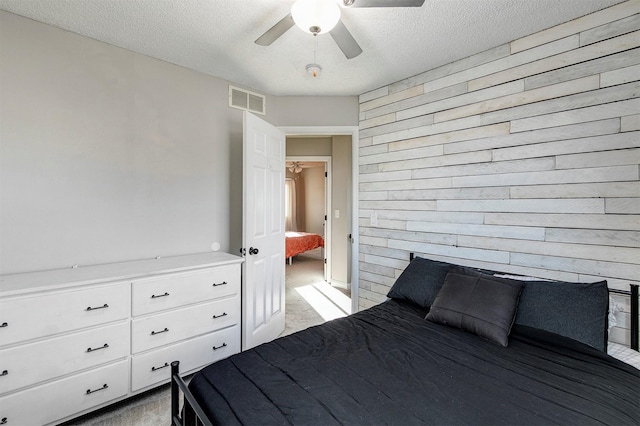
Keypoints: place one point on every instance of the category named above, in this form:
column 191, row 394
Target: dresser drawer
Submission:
column 174, row 290
column 169, row 327
column 49, row 314
column 27, row 364
column 154, row 367
column 57, row 400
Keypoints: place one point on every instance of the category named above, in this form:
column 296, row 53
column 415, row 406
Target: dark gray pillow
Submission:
column 575, row 310
column 478, row 303
column 420, row 282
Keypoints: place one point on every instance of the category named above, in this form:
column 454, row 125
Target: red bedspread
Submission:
column 299, row 242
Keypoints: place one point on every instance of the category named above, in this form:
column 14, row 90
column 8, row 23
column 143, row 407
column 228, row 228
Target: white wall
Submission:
column 314, row 200
column 524, row 158
column 108, row 155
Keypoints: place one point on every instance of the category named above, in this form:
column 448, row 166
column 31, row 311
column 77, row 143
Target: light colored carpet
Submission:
column 309, row 301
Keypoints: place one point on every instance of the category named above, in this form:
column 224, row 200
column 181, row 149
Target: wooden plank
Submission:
column 601, row 159
column 630, row 123
column 580, row 266
column 577, row 251
column 422, row 237
column 577, row 25
column 373, row 94
column 581, row 115
column 427, row 98
column 372, row 195
column 601, row 190
column 500, row 167
column 571, row 131
column 538, row 115
column 386, row 176
column 483, row 230
column 583, row 69
column 384, row 261
column 437, row 161
column 624, row 206
column 396, row 126
column 594, row 236
column 378, row 121
column 471, row 135
column 368, row 168
column 451, row 194
column 619, row 76
column 510, row 62
column 494, row 256
column 365, row 142
column 571, row 221
column 400, row 185
column 569, row 146
column 419, row 153
column 596, row 50
column 391, row 98
column 569, row 205
column 469, row 62
column 464, row 99
column 612, row 29
column 372, row 150
column 404, row 205
column 596, row 175
column 583, row 84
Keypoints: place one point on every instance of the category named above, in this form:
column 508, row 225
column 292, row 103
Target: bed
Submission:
column 300, row 242
column 428, row 356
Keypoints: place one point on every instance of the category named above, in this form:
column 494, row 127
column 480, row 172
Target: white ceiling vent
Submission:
column 248, row 101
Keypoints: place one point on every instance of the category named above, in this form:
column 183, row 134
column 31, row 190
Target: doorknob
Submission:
column 253, row 250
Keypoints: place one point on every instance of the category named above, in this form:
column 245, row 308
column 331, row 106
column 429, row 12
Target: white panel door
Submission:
column 263, row 293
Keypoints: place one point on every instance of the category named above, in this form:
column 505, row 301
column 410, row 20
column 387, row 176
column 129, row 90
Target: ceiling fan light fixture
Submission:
column 315, row 16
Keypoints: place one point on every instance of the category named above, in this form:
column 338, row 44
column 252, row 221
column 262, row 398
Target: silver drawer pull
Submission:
column 89, row 308
column 155, row 296
column 218, row 284
column 105, row 346
column 166, row 364
column 153, row 333
column 224, row 345
column 89, row 391
column 4, row 373
column 3, row 325
column 224, row 314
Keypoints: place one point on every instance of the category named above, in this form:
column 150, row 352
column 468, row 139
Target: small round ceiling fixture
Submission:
column 314, row 70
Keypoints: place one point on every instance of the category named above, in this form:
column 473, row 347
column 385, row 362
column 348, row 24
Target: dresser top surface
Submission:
column 93, row 274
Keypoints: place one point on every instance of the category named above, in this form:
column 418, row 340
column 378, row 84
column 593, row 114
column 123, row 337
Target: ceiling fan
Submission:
column 323, row 16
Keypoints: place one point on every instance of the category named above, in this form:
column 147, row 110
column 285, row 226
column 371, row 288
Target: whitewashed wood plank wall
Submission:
column 524, row 159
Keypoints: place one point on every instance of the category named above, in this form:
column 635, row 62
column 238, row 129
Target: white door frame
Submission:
column 335, row 131
column 326, row 159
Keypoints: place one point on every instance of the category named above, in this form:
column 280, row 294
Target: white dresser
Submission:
column 77, row 339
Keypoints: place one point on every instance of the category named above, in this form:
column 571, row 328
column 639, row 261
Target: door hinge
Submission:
column 243, row 251
column 326, row 174
column 325, row 217
column 325, row 260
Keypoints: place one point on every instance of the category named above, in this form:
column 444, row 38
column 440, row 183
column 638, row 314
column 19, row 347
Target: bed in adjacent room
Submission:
column 452, row 345
column 300, row 242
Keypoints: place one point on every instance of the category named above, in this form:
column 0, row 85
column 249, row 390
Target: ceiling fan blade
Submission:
column 383, row 3
column 345, row 41
column 273, row 33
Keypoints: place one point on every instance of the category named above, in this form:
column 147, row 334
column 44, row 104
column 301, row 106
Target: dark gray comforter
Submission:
column 387, row 365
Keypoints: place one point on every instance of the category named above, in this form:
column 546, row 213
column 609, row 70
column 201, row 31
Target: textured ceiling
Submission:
column 216, row 37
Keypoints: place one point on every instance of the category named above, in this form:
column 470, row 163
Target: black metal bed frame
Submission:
column 193, row 414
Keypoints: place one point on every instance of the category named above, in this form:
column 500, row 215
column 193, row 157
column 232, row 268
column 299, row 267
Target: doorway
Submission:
column 319, row 291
